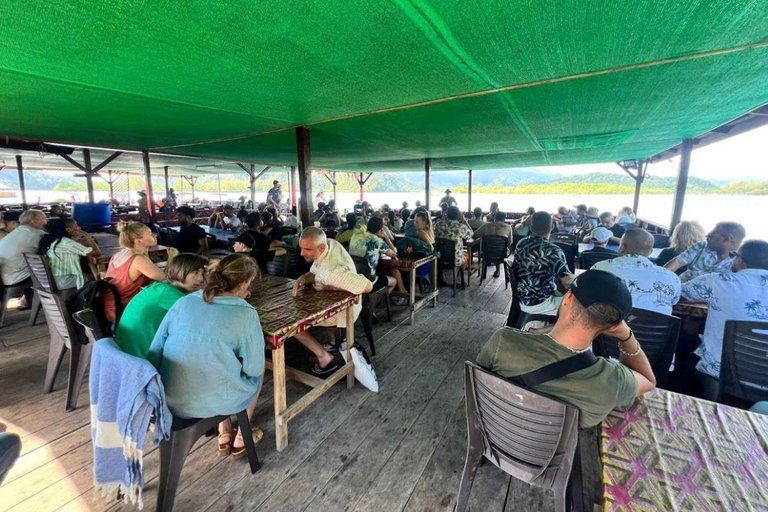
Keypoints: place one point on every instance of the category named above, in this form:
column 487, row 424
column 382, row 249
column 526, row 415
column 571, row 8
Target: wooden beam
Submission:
column 22, row 185
column 682, row 182
column 252, row 186
column 641, row 170
column 72, row 161
column 427, row 170
column 334, row 185
column 89, row 175
column 167, row 186
column 305, row 175
column 293, row 187
column 107, row 161
column 469, row 190
column 148, row 185
column 360, row 182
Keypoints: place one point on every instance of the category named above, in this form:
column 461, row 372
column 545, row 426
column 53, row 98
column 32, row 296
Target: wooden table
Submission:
column 406, row 264
column 674, row 452
column 109, row 245
column 691, row 309
column 221, row 235
column 470, row 245
column 283, row 316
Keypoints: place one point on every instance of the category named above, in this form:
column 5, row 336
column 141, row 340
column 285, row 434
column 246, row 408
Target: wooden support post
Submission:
column 294, row 202
column 682, row 182
column 334, row 186
column 218, row 182
column 252, row 174
column 362, row 188
column 148, row 185
column 112, row 187
column 305, row 175
column 641, row 170
column 181, row 190
column 167, row 186
column 427, row 170
column 88, row 175
column 469, row 191
column 22, row 185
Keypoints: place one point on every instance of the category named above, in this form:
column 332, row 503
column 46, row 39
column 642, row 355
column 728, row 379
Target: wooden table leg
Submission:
column 412, row 292
column 278, row 383
column 350, row 342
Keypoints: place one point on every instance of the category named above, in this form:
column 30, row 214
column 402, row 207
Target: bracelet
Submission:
column 628, row 337
column 630, row 354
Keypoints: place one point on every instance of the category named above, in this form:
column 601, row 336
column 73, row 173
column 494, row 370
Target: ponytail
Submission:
column 230, row 273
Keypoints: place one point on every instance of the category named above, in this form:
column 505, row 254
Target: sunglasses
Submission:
column 733, row 254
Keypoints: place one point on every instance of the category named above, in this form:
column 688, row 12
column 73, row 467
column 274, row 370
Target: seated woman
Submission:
column 423, row 224
column 131, row 269
column 685, row 234
column 142, row 317
column 64, row 254
column 209, row 351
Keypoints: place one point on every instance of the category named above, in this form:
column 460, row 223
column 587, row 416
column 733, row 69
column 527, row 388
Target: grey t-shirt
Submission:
column 596, row 390
column 12, row 248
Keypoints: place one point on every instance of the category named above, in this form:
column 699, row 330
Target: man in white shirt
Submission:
column 711, row 255
column 653, row 288
column 738, row 295
column 25, row 238
column 332, row 269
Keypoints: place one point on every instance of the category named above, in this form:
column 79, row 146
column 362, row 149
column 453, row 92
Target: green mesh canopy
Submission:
column 382, row 84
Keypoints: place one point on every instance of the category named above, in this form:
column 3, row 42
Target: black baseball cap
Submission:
column 595, row 286
column 186, row 210
column 246, row 240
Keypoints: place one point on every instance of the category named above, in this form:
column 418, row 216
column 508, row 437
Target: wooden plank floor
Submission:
column 352, row 450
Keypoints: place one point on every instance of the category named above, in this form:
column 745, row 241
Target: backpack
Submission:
column 413, row 247
column 91, row 296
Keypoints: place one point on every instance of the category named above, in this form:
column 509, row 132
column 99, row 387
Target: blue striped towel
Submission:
column 125, row 392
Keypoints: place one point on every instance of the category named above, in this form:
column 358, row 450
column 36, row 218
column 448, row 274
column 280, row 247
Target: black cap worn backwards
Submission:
column 246, row 240
column 595, row 286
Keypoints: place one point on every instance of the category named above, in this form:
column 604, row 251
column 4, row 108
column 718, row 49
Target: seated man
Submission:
column 477, row 219
column 600, row 237
column 742, row 295
column 589, row 221
column 498, row 228
column 491, row 217
column 370, row 245
column 25, row 238
column 597, row 303
column 607, row 221
column 537, row 264
column 451, row 229
column 332, row 269
column 711, row 255
column 226, row 219
column 652, row 287
column 191, row 237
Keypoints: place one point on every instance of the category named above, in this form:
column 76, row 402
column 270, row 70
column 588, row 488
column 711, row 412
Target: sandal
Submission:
column 238, row 452
column 225, row 448
column 338, row 362
column 330, row 348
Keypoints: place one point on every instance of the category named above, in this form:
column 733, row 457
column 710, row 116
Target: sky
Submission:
column 742, row 157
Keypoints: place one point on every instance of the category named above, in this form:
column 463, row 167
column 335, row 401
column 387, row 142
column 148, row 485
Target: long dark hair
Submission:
column 56, row 229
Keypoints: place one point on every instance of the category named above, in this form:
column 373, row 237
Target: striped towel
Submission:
column 125, row 392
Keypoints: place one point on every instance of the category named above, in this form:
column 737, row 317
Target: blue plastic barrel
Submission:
column 92, row 214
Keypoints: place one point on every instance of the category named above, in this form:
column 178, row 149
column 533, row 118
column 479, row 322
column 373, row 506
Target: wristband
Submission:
column 628, row 337
column 630, row 354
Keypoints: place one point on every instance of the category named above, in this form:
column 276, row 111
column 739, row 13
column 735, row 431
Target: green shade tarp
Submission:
column 382, row 84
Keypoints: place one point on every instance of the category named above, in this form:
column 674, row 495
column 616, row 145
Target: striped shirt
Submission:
column 65, row 256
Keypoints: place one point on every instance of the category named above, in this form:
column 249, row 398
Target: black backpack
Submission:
column 91, row 296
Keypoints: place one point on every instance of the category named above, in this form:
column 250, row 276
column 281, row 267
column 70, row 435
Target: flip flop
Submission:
column 238, row 452
column 338, row 362
column 225, row 448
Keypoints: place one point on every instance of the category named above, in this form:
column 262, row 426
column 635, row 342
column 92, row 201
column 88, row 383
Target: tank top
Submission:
column 122, row 281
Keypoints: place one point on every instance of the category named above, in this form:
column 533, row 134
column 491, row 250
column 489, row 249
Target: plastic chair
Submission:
column 9, row 292
column 287, row 230
column 168, row 237
column 42, row 278
column 495, row 249
column 571, row 254
column 295, row 264
column 660, row 240
column 564, row 238
column 173, row 453
column 446, row 260
column 369, row 301
column 744, row 363
column 531, row 437
column 217, row 254
column 589, row 258
column 657, row 334
column 63, row 338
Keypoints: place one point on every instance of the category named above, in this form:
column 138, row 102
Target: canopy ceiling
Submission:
column 382, row 84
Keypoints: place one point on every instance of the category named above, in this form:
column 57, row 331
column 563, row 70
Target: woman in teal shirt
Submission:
column 142, row 317
column 209, row 350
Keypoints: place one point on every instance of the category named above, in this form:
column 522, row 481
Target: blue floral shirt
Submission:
column 741, row 295
column 369, row 246
column 702, row 260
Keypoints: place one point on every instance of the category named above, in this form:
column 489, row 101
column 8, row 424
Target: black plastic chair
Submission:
column 217, row 254
column 63, row 338
column 446, row 260
column 531, row 437
column 168, row 237
column 564, row 238
column 173, row 453
column 295, row 264
column 571, row 253
column 589, row 258
column 369, row 301
column 657, row 334
column 495, row 250
column 660, row 241
column 517, row 318
column 744, row 363
column 290, row 231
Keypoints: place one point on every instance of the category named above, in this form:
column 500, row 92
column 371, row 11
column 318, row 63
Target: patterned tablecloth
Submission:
column 282, row 315
column 404, row 263
column 673, row 452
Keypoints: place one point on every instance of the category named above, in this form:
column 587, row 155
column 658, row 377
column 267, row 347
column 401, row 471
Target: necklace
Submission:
column 575, row 351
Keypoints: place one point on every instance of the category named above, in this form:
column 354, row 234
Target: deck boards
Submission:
column 402, row 449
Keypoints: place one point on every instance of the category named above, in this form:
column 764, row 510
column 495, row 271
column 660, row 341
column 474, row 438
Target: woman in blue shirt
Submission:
column 209, row 351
